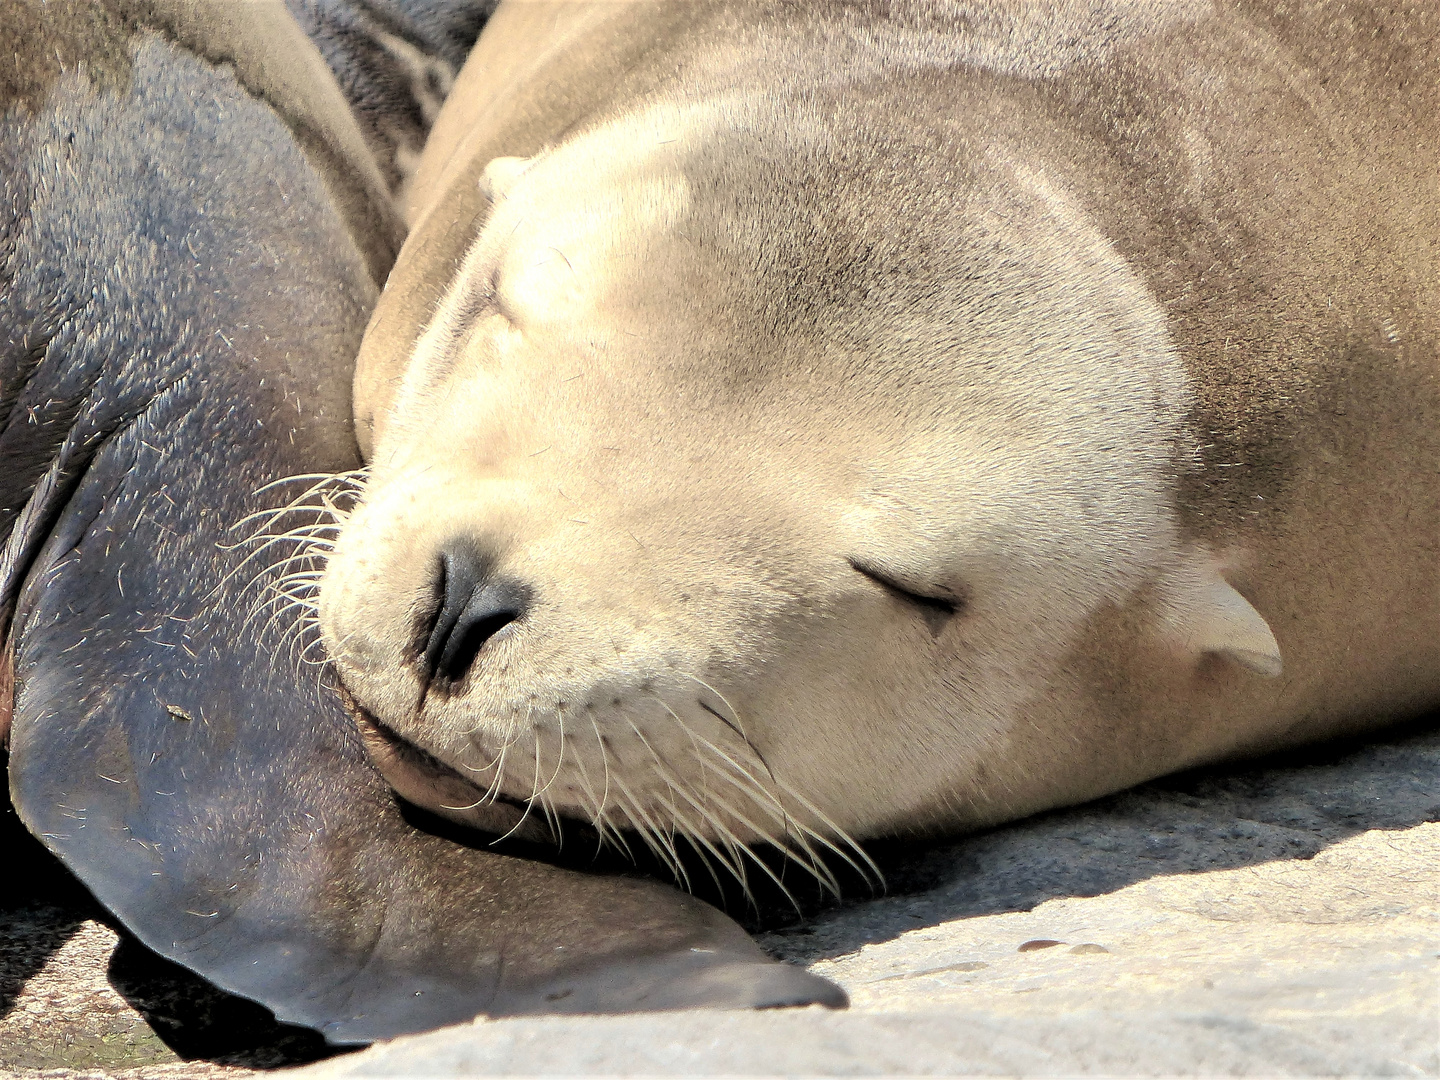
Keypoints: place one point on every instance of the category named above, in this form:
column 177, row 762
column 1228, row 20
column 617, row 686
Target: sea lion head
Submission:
column 761, row 461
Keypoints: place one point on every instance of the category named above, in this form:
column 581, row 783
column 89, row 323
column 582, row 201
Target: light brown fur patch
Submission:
column 60, row 36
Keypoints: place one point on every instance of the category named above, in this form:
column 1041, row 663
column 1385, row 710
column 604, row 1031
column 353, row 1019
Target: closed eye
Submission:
column 941, row 607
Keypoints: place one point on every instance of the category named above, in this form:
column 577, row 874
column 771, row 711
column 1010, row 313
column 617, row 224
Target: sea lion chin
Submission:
column 428, row 783
column 840, row 428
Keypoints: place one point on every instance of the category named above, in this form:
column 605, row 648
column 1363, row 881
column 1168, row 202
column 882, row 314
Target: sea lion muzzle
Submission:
column 428, row 783
column 474, row 603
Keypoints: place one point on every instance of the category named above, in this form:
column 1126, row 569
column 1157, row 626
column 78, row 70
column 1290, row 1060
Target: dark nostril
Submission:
column 474, row 606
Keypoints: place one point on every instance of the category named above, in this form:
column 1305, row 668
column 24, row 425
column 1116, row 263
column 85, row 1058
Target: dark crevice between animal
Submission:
column 766, row 908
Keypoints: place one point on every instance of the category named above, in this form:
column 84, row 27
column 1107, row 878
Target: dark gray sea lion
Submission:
column 192, row 234
column 817, row 422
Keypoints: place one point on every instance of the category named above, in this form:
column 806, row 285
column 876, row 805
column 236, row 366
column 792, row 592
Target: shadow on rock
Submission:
column 197, row 1021
column 41, row 907
column 1285, row 807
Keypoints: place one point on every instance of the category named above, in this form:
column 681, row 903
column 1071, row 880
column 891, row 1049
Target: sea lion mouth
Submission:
column 420, row 778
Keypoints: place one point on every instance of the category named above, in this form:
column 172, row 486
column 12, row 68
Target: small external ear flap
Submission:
column 500, row 176
column 1213, row 618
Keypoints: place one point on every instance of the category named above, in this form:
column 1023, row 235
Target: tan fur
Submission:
column 1113, row 328
column 58, row 36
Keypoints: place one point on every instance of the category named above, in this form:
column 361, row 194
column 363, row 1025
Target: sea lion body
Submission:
column 396, row 60
column 845, row 422
column 192, row 234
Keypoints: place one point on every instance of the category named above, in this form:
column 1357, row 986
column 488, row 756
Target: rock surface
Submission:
column 1275, row 919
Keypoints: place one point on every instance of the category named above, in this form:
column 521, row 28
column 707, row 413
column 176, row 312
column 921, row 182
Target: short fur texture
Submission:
column 396, row 61
column 905, row 416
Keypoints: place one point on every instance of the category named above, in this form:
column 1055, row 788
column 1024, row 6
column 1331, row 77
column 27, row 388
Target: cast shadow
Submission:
column 200, row 1022
column 1288, row 806
column 41, row 907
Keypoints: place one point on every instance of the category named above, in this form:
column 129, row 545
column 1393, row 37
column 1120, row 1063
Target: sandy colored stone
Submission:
column 68, row 1013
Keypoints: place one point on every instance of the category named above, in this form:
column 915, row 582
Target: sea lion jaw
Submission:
column 782, row 546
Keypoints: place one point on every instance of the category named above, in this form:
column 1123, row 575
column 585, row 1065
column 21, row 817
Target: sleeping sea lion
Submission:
column 192, row 235
column 806, row 423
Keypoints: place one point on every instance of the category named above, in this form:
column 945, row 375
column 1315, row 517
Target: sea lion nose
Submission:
column 473, row 605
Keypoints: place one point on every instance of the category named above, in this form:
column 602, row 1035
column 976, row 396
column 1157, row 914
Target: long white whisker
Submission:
column 559, row 759
column 493, row 791
column 697, row 836
column 604, row 762
column 796, row 842
column 686, row 729
column 637, row 824
column 669, row 856
column 589, row 804
column 794, row 830
column 870, row 868
column 702, row 846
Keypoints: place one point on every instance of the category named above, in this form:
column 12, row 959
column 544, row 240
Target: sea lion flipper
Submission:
column 676, row 981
